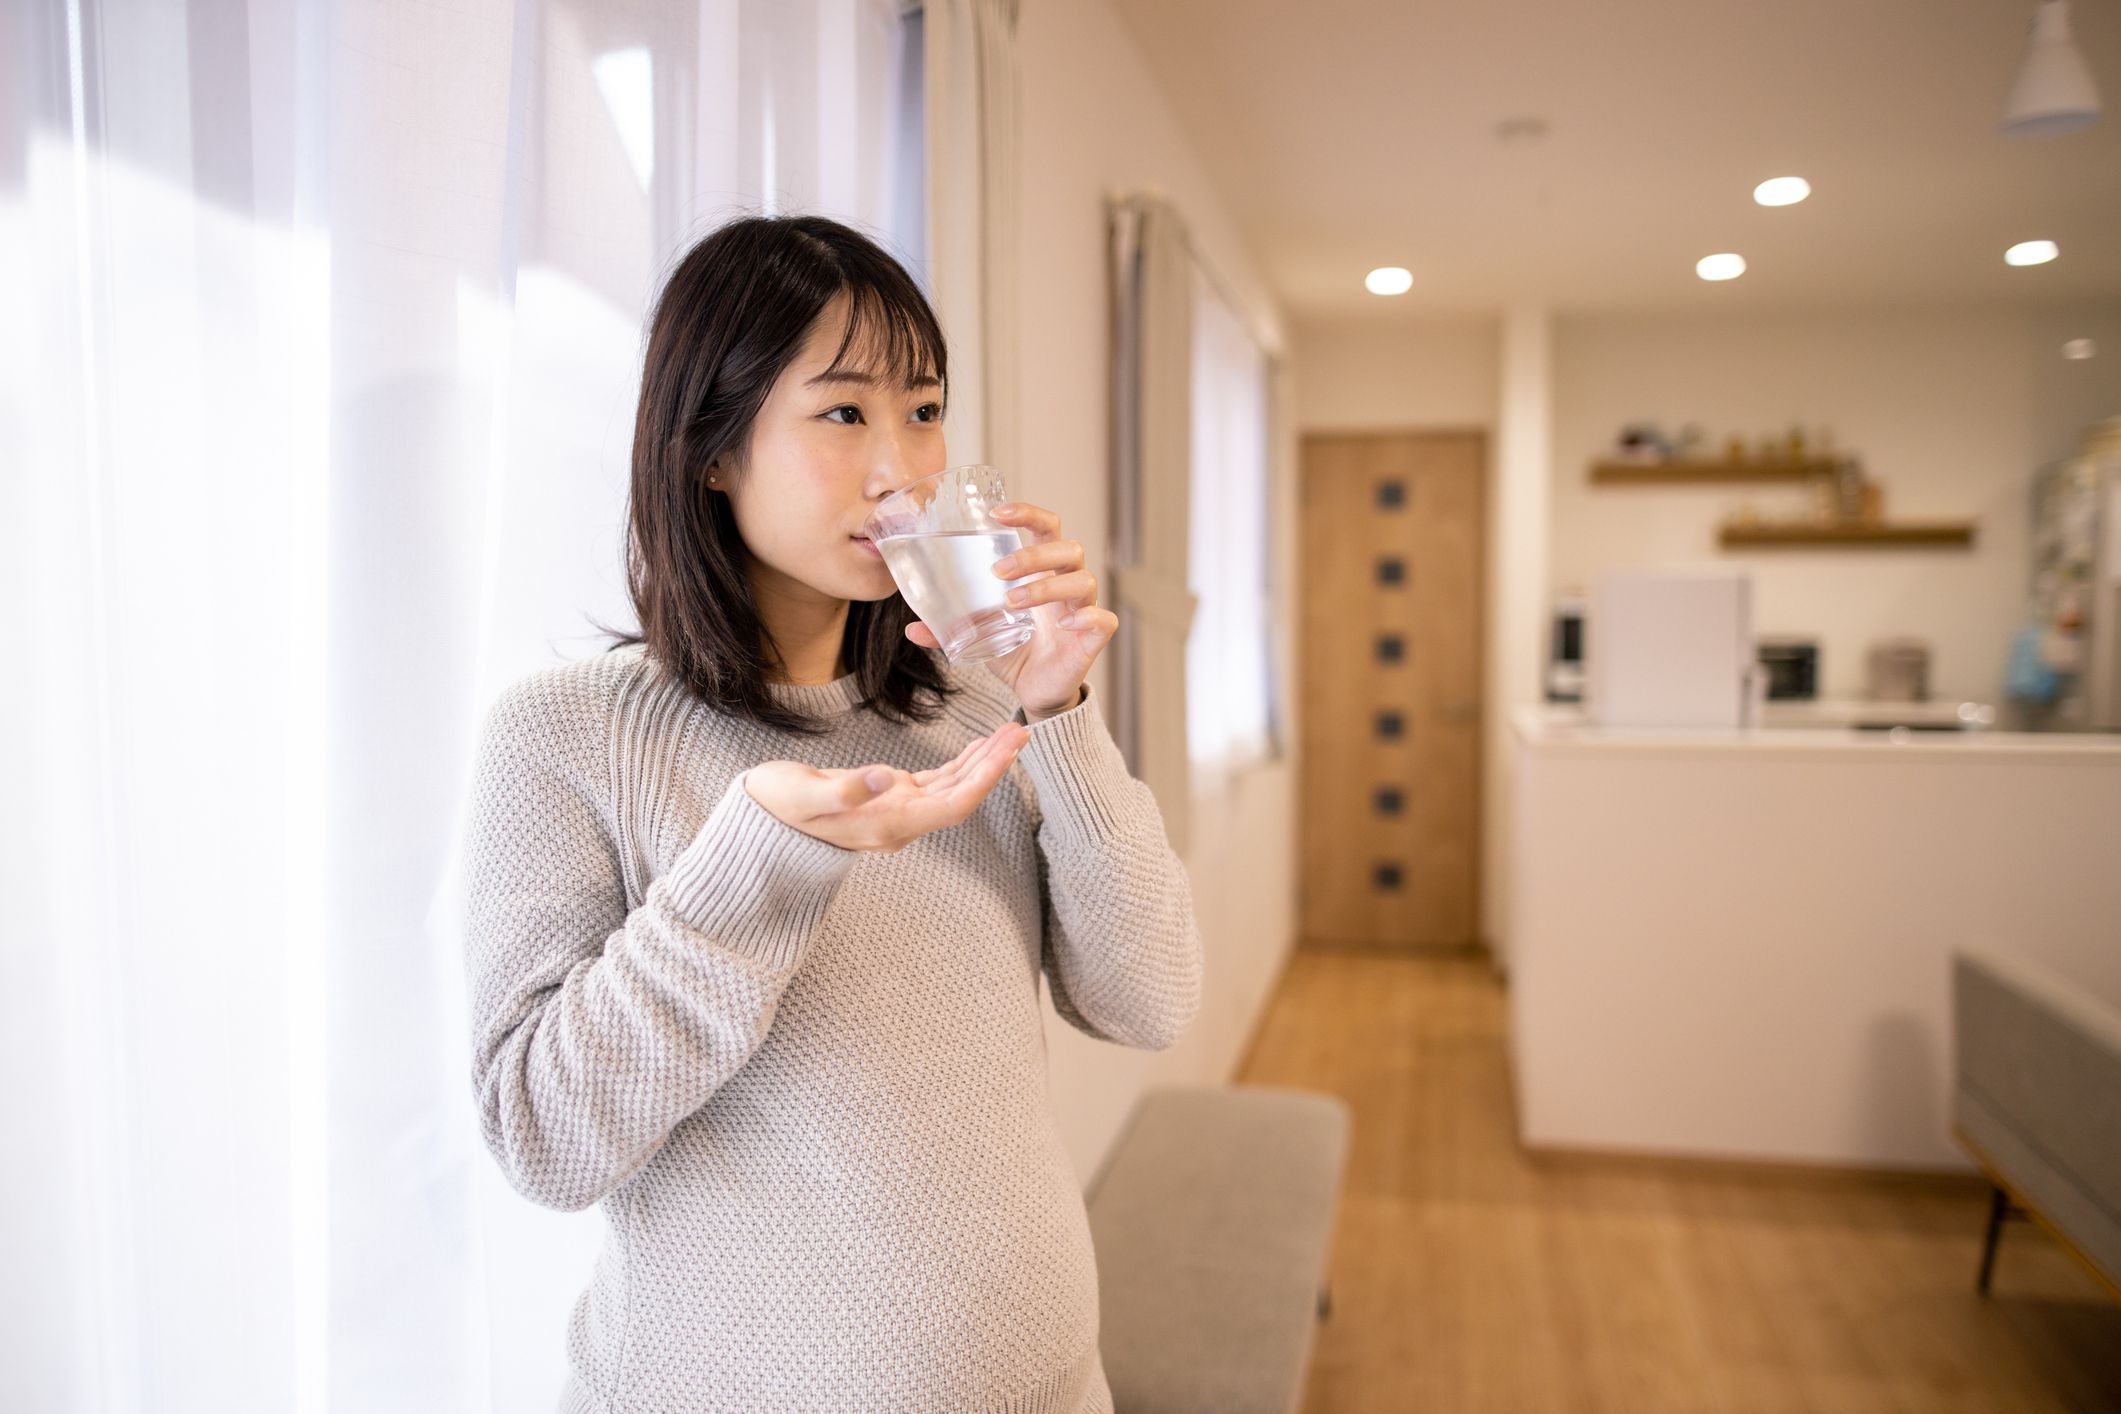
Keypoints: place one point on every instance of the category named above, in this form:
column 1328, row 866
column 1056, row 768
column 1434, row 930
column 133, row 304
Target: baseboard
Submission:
column 1426, row 952
column 1791, row 1171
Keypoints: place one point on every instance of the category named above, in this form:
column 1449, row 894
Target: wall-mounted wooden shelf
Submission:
column 1706, row 473
column 1769, row 534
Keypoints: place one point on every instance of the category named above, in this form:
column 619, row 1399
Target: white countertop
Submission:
column 1564, row 728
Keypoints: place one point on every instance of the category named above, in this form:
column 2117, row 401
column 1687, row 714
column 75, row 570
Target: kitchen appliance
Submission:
column 1672, row 649
column 1565, row 650
column 1898, row 670
column 2076, row 588
column 1792, row 668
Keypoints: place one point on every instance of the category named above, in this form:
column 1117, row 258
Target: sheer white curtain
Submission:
column 322, row 335
column 972, row 108
column 1228, row 685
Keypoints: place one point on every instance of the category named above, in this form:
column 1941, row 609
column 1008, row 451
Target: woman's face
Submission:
column 823, row 452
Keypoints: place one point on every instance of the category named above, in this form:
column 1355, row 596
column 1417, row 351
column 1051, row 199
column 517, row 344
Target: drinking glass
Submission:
column 940, row 540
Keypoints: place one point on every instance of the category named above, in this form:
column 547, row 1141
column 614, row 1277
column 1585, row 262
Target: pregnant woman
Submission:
column 760, row 897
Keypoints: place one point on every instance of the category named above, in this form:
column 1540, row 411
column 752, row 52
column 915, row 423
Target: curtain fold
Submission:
column 973, row 137
column 1152, row 365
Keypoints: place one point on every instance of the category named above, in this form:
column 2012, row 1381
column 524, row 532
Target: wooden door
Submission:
column 1393, row 551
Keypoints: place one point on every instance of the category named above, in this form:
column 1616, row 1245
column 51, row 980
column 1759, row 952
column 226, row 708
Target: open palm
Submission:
column 879, row 806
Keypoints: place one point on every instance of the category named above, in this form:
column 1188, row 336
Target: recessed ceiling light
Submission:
column 1720, row 267
column 1388, row 280
column 1782, row 191
column 2080, row 349
column 2031, row 253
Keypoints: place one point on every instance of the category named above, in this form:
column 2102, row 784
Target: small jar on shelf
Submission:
column 1826, row 498
column 1848, row 490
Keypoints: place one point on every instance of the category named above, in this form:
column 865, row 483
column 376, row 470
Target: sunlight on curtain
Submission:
column 1227, row 678
column 323, row 337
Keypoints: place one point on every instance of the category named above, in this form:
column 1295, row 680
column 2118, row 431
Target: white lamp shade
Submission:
column 2054, row 93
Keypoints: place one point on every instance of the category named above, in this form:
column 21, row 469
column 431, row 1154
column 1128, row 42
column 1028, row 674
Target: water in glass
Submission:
column 948, row 578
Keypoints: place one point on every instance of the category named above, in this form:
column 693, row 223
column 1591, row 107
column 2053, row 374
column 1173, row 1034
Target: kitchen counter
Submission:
column 1567, row 728
column 1737, row 944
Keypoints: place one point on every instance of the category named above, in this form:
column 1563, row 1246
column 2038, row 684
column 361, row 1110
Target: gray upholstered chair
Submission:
column 1213, row 1221
column 2038, row 1104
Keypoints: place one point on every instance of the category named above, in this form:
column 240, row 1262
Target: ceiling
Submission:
column 1349, row 134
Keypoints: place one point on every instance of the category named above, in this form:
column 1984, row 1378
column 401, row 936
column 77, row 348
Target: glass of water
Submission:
column 940, row 540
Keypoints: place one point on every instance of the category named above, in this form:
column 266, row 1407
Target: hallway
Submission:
column 1470, row 1278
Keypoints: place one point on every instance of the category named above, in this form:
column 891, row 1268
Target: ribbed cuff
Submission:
column 1023, row 719
column 755, row 883
column 1077, row 767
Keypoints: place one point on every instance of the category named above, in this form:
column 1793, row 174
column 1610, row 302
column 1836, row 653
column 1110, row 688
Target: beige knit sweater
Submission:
column 807, row 1084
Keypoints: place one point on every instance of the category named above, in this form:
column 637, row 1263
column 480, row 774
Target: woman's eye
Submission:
column 845, row 407
column 930, row 412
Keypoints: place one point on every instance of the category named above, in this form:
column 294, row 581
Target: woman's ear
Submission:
column 721, row 473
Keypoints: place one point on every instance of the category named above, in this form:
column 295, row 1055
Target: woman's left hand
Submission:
column 1047, row 672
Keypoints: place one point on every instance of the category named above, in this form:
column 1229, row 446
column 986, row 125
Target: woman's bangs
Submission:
column 893, row 342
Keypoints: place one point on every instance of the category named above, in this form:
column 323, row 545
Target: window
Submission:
column 1228, row 685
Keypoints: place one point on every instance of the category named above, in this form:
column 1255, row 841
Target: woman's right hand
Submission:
column 881, row 807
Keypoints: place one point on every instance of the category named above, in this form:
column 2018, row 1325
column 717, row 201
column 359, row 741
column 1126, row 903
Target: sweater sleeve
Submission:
column 1121, row 951
column 596, row 1030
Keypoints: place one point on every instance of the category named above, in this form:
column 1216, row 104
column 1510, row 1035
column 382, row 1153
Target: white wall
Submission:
column 1952, row 410
column 1518, row 514
column 1093, row 122
column 1387, row 372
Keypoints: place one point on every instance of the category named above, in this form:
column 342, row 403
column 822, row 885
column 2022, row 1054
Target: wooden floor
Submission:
column 1470, row 1278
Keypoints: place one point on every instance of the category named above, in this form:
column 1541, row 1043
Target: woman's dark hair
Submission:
column 732, row 316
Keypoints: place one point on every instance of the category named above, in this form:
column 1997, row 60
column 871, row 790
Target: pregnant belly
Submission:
column 936, row 1299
